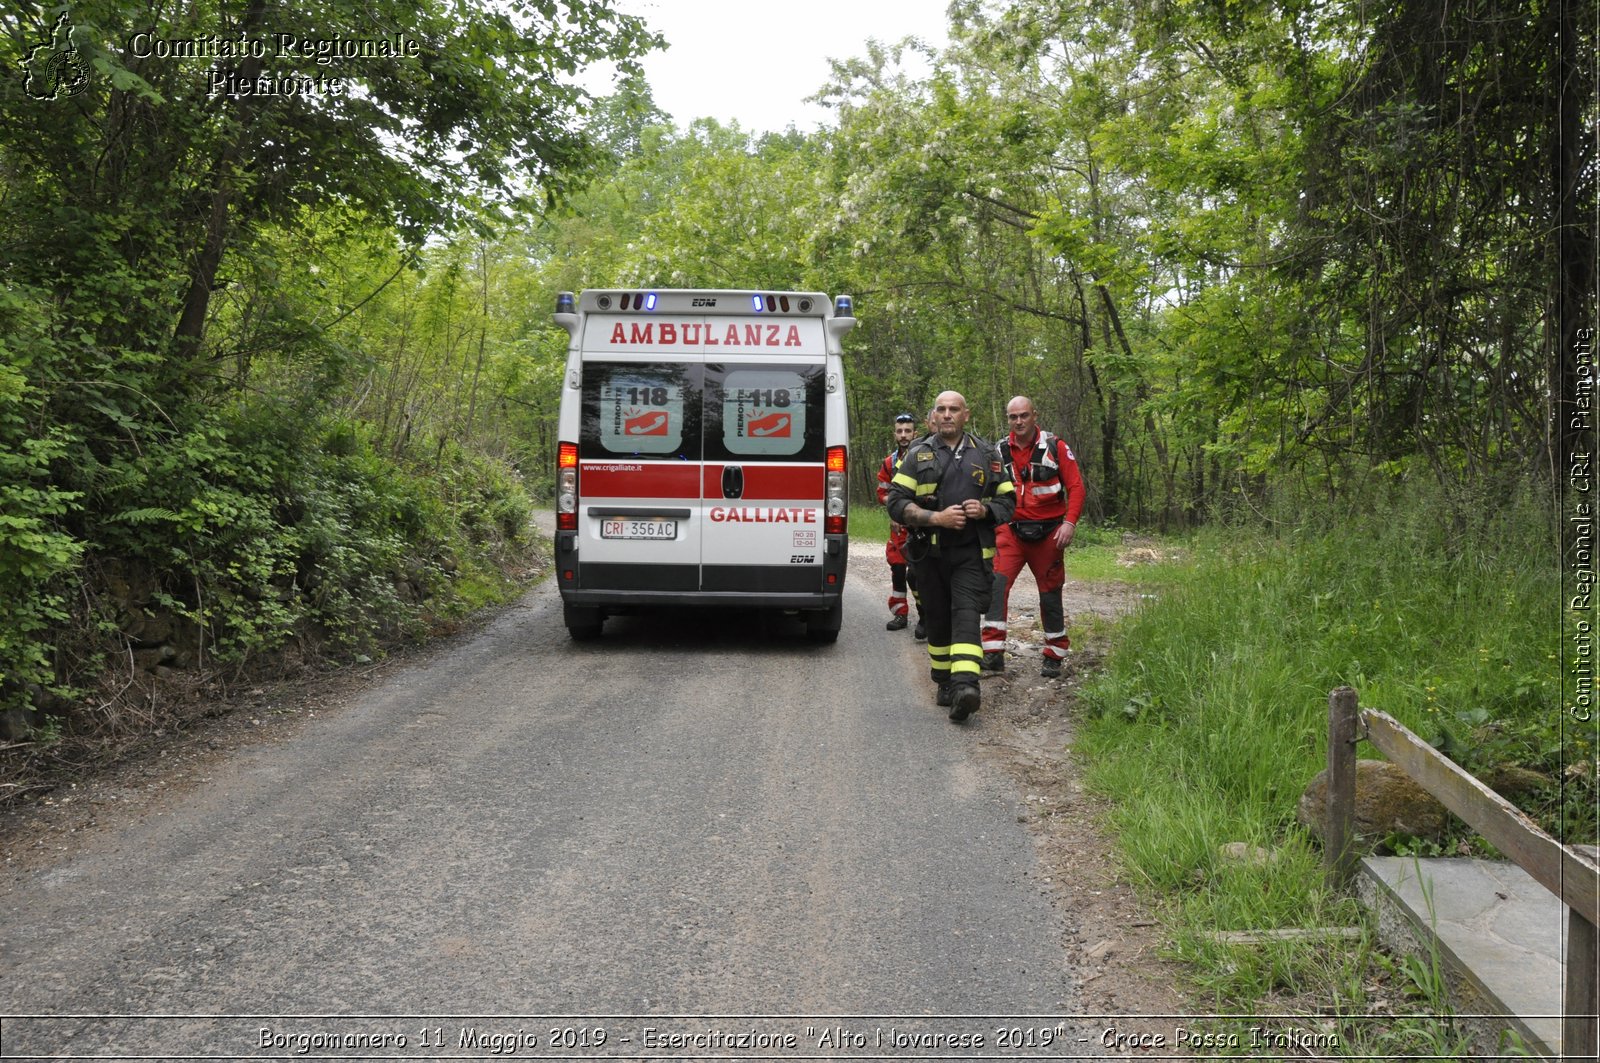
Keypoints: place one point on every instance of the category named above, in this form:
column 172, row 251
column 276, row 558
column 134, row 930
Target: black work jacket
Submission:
column 934, row 475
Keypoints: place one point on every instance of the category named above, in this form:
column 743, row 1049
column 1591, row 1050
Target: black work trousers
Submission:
column 953, row 585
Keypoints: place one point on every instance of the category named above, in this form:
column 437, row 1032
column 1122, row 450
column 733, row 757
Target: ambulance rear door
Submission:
column 765, row 449
column 640, row 514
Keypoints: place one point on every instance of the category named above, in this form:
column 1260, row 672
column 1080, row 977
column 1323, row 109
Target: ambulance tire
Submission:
column 583, row 622
column 823, row 625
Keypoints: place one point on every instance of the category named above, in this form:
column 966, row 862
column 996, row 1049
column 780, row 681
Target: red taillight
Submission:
column 567, row 488
column 833, row 521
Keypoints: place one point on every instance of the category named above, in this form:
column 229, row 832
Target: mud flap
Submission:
column 823, row 625
column 584, row 622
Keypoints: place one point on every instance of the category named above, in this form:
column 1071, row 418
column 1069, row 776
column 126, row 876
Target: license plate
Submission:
column 613, row 528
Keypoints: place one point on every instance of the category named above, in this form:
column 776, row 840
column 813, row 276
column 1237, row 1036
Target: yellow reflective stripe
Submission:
column 964, row 666
column 988, row 553
column 1005, row 488
column 903, row 480
column 966, row 647
column 938, row 651
column 926, row 489
column 940, row 665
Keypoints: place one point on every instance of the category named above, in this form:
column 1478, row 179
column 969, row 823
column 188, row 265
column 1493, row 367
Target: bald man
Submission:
column 952, row 492
column 1050, row 496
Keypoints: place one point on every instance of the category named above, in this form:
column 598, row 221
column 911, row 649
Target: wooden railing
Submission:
column 1558, row 868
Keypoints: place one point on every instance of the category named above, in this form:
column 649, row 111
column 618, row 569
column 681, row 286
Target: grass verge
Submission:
column 1210, row 718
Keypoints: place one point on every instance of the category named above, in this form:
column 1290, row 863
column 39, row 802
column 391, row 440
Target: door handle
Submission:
column 732, row 481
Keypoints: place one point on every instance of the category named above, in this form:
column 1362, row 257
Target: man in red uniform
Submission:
column 905, row 430
column 1049, row 500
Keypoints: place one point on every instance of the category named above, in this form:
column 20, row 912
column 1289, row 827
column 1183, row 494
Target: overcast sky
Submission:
column 754, row 63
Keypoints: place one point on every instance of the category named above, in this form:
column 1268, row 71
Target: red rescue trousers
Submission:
column 899, row 574
column 1047, row 563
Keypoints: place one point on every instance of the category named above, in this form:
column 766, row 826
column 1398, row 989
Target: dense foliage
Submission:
column 238, row 390
column 1226, row 248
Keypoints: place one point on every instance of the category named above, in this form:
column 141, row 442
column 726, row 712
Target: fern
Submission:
column 146, row 515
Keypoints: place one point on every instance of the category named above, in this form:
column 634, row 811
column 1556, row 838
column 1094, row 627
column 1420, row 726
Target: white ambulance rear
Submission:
column 703, row 454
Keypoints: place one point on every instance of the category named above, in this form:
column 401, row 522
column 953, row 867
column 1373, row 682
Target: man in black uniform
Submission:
column 951, row 490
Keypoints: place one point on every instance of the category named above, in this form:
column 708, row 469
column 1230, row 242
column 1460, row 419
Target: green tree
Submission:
column 138, row 191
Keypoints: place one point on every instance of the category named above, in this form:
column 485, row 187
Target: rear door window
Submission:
column 640, row 411
column 763, row 413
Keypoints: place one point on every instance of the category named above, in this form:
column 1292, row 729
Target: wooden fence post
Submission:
column 1340, row 852
column 1578, row 1026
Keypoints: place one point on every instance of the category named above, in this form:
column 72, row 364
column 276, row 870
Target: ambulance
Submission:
column 703, row 454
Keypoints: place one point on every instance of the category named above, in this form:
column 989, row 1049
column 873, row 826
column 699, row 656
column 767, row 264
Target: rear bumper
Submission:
column 765, row 587
column 722, row 599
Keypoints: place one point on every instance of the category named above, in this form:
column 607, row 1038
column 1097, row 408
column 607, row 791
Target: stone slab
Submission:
column 1498, row 931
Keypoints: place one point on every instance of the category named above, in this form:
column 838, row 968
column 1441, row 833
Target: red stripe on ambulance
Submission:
column 640, row 480
column 763, row 482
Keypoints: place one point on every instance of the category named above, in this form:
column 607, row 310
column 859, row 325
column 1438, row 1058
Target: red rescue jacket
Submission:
column 1049, row 485
column 898, row 533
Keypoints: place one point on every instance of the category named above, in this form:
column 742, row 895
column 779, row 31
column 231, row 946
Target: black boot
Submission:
column 965, row 702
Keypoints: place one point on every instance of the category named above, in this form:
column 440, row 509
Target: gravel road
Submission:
column 698, row 815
